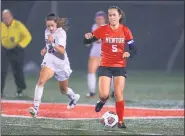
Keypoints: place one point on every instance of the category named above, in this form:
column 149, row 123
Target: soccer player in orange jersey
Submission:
column 114, row 37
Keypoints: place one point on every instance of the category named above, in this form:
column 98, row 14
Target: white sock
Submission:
column 70, row 93
column 112, row 85
column 37, row 96
column 91, row 82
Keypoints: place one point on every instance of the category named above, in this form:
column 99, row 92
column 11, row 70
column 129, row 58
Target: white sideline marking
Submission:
column 111, row 106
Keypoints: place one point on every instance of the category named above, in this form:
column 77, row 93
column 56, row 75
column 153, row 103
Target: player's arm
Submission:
column 94, row 28
column 43, row 51
column 60, row 49
column 132, row 48
column 129, row 39
column 60, row 42
column 89, row 38
column 92, row 37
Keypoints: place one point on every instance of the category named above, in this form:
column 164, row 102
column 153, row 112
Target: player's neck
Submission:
column 98, row 25
column 114, row 27
column 52, row 32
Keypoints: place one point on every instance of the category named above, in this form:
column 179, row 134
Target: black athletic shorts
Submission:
column 112, row 71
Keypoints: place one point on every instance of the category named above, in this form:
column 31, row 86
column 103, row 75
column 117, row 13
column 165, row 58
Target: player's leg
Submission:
column 45, row 74
column 119, row 85
column 104, row 86
column 64, row 89
column 62, row 77
column 93, row 64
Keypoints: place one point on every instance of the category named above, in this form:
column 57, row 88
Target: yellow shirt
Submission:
column 14, row 35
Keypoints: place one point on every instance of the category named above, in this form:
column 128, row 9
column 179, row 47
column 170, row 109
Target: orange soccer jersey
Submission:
column 113, row 44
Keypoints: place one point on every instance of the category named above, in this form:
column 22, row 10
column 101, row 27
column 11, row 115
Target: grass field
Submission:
column 154, row 104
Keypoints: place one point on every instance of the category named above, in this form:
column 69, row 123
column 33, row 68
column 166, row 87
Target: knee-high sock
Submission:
column 120, row 110
column 38, row 96
column 70, row 93
column 91, row 81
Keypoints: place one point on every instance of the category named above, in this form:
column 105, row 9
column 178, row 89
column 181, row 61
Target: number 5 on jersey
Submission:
column 114, row 48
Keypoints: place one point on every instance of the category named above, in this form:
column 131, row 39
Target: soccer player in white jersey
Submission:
column 94, row 57
column 55, row 62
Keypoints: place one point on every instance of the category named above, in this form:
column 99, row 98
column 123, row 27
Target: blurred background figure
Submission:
column 14, row 38
column 95, row 54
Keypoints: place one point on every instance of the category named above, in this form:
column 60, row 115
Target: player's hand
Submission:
column 43, row 52
column 126, row 54
column 88, row 35
column 50, row 39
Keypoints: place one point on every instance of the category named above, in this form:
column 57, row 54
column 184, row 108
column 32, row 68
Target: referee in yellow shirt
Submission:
column 14, row 38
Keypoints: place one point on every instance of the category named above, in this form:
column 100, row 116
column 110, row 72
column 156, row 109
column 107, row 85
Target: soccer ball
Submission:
column 109, row 119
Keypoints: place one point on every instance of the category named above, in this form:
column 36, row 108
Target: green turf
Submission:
column 19, row 126
column 143, row 88
column 148, row 89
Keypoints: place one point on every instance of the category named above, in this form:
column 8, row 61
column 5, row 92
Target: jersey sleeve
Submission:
column 61, row 38
column 128, row 34
column 98, row 33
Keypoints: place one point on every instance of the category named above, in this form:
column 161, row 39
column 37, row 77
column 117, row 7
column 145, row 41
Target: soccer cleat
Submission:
column 99, row 106
column 2, row 95
column 19, row 92
column 73, row 102
column 121, row 125
column 33, row 111
column 90, row 95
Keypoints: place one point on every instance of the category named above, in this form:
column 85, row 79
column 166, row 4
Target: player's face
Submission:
column 51, row 25
column 113, row 16
column 100, row 20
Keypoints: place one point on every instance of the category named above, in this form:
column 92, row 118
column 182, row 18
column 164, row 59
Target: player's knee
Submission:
column 63, row 90
column 104, row 98
column 92, row 70
column 40, row 83
column 118, row 93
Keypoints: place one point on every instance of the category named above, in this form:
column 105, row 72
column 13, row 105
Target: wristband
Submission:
column 53, row 45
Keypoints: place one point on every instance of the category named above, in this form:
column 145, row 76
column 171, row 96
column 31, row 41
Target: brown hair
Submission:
column 122, row 19
column 61, row 22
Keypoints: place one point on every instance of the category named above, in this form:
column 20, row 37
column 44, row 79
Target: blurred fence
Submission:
column 158, row 29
